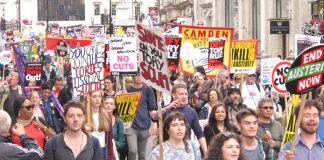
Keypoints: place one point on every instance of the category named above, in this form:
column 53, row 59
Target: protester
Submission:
column 218, row 122
column 253, row 148
column 141, row 127
column 222, row 83
column 237, row 80
column 308, row 144
column 180, row 78
column 73, row 143
column 99, row 123
column 23, row 114
column 195, row 91
column 212, row 100
column 9, row 90
column 252, row 91
column 58, row 83
column 270, row 130
column 51, row 113
column 234, row 103
column 66, row 94
column 320, row 130
column 225, row 146
column 29, row 149
column 35, row 99
column 175, row 143
column 180, row 104
column 48, row 72
column 109, row 84
column 117, row 126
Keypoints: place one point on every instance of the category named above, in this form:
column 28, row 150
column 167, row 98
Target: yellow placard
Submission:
column 127, row 105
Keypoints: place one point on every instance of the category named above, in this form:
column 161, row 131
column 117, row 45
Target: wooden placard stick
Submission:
column 158, row 95
column 300, row 114
column 89, row 119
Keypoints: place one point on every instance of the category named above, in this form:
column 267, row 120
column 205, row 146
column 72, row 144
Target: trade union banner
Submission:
column 195, row 47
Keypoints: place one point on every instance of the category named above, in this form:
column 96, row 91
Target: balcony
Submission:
column 185, row 2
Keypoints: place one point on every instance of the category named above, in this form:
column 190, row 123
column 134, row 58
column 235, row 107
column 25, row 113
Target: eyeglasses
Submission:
column 28, row 107
column 267, row 107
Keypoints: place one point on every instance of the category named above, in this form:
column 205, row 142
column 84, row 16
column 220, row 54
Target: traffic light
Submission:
column 110, row 29
column 3, row 24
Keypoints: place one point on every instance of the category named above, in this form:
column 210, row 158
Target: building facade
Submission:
column 250, row 18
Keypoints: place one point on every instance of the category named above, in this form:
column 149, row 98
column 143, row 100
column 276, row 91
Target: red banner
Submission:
column 51, row 42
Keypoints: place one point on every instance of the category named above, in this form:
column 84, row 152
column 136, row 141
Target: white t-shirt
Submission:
column 251, row 95
column 95, row 133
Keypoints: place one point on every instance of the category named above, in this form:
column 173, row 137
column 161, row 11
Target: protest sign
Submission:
column 304, row 41
column 51, row 42
column 173, row 45
column 291, row 122
column 278, row 76
column 152, row 59
column 195, row 47
column 123, row 57
column 74, row 31
column 26, row 49
column 267, row 65
column 306, row 72
column 5, row 57
column 87, row 69
column 216, row 52
column 243, row 56
column 33, row 72
column 127, row 105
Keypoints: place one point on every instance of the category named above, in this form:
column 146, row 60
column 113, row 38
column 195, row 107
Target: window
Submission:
column 282, row 8
column 231, row 16
column 97, row 9
column 113, row 9
column 137, row 11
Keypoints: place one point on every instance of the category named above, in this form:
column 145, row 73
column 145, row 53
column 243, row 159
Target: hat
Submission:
column 197, row 74
column 232, row 90
column 251, row 73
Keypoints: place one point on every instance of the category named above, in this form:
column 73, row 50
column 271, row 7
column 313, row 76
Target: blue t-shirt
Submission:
column 147, row 103
column 320, row 130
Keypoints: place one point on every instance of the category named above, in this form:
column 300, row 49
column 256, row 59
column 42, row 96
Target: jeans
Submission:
column 136, row 140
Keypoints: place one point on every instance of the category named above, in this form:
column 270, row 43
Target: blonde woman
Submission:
column 99, row 124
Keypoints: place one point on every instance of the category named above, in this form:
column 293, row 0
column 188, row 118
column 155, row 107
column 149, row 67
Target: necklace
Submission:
column 24, row 122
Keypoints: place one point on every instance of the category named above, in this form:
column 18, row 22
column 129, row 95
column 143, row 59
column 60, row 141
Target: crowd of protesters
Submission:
column 245, row 120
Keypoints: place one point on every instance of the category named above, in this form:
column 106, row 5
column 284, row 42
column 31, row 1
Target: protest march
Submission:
column 196, row 92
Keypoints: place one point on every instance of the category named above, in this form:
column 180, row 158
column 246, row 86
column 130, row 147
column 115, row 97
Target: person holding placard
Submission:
column 308, row 145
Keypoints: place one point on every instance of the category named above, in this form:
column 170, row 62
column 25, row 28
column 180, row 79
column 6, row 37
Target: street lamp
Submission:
column 47, row 28
column 18, row 14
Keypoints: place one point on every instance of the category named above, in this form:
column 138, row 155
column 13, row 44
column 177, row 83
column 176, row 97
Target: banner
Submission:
column 127, row 105
column 173, row 45
column 267, row 65
column 51, row 42
column 195, row 47
column 87, row 69
column 74, row 31
column 304, row 41
column 243, row 56
column 152, row 59
column 123, row 57
column 216, row 52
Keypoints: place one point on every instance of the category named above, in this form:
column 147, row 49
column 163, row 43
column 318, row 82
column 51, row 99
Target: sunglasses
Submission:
column 28, row 107
column 267, row 107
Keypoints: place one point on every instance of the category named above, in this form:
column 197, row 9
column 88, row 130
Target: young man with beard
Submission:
column 253, row 148
column 308, row 144
column 234, row 103
column 73, row 143
column 270, row 130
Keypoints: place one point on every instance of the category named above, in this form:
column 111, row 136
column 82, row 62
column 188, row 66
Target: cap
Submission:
column 251, row 73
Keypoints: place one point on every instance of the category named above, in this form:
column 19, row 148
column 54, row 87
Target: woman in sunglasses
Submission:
column 34, row 127
column 225, row 146
column 176, row 145
column 218, row 122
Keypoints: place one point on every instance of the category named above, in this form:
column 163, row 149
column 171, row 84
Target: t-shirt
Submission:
column 99, row 135
column 266, row 126
column 32, row 131
column 252, row 154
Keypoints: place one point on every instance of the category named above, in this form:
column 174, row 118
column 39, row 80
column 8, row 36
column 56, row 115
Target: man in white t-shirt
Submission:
column 252, row 91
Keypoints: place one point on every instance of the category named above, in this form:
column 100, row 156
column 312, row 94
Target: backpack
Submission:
column 95, row 144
